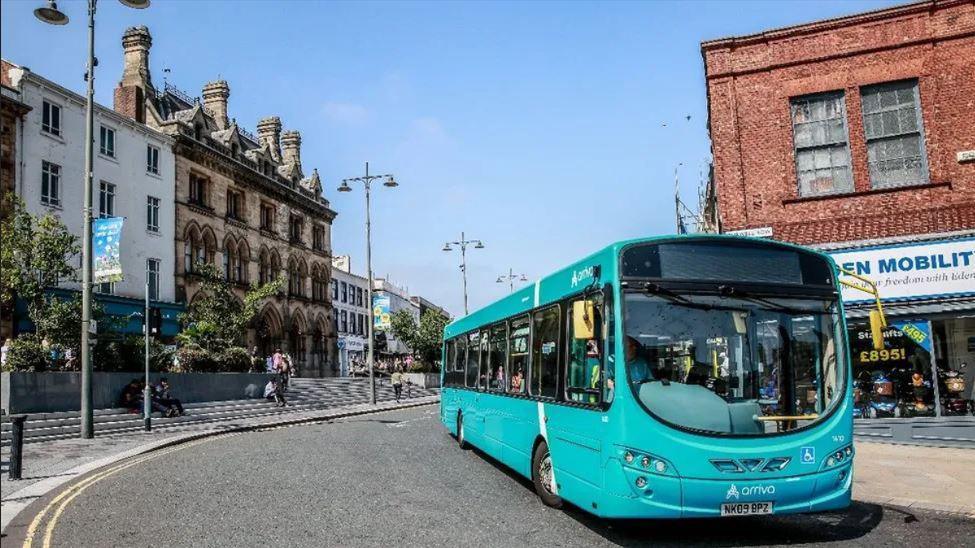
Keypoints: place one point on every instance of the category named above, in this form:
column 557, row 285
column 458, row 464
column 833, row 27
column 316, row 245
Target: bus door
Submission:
column 576, row 429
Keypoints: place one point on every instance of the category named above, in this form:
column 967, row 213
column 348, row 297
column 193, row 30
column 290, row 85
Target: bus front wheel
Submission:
column 461, row 441
column 543, row 476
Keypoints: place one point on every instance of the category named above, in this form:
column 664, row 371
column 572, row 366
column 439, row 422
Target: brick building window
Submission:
column 821, row 144
column 51, row 118
column 50, row 184
column 895, row 135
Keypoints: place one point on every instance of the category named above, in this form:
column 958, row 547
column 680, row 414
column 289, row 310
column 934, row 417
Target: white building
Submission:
column 133, row 177
column 350, row 314
column 399, row 299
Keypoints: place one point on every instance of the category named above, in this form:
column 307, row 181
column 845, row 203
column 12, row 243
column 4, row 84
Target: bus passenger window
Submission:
column 498, row 357
column 482, row 382
column 545, row 352
column 518, row 355
column 473, row 343
column 450, row 378
column 583, row 379
column 460, row 358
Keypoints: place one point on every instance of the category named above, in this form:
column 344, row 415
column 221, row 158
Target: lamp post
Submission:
column 53, row 16
column 390, row 182
column 510, row 277
column 463, row 243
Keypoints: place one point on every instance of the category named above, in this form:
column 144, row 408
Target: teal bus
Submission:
column 671, row 377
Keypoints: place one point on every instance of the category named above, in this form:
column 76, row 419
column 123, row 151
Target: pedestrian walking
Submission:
column 397, row 379
column 284, row 373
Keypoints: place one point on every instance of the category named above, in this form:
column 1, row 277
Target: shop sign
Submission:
column 919, row 332
column 913, row 271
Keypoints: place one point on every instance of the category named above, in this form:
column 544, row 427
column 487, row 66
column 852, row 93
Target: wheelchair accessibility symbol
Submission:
column 807, row 455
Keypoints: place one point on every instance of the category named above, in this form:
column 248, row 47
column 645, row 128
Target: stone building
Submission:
column 245, row 203
column 856, row 135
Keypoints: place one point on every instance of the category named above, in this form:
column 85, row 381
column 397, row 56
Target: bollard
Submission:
column 16, row 445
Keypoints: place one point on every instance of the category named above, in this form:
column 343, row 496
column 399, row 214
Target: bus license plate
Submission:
column 746, row 508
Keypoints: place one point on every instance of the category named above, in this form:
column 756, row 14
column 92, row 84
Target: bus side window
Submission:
column 499, row 369
column 473, row 343
column 518, row 355
column 460, row 358
column 545, row 352
column 482, row 383
column 609, row 335
column 450, row 378
column 583, row 375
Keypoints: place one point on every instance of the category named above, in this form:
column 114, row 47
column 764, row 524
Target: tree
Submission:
column 425, row 339
column 217, row 320
column 37, row 254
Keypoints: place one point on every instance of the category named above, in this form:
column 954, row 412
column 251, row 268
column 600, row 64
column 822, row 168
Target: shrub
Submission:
column 191, row 358
column 235, row 360
column 26, row 354
column 420, row 367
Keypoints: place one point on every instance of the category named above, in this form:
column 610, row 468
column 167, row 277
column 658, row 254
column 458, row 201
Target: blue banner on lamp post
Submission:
column 106, row 239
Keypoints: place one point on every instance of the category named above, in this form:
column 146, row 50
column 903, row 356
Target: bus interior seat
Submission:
column 695, row 406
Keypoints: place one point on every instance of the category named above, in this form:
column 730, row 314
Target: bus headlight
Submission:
column 628, row 457
column 641, row 482
column 839, row 457
column 646, row 462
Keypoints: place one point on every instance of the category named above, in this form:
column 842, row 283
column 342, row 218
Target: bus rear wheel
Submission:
column 461, row 441
column 543, row 476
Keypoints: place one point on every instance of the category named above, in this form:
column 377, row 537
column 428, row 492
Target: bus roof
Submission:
column 576, row 276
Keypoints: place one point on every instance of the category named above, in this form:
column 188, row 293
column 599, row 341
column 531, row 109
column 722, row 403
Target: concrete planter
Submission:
column 426, row 380
column 50, row 392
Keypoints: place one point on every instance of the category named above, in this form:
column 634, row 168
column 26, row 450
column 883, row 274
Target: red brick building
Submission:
column 857, row 135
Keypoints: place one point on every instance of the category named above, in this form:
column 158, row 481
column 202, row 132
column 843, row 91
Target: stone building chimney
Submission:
column 215, row 95
column 291, row 143
column 269, row 133
column 130, row 95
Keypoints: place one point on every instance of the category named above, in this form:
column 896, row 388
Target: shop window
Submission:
column 821, row 144
column 545, row 352
column 895, row 381
column 894, row 132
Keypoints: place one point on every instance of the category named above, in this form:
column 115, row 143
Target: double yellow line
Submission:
column 61, row 502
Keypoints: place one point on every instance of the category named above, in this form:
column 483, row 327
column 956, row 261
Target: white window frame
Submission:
column 53, row 124
column 106, row 199
column 51, row 172
column 152, row 214
column 152, row 277
column 106, row 141
column 152, row 159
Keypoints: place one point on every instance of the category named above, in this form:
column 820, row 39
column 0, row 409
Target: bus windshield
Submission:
column 734, row 365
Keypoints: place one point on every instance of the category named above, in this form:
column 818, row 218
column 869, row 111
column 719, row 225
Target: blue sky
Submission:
column 536, row 127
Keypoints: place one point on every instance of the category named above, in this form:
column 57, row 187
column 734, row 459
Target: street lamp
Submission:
column 463, row 243
column 510, row 277
column 53, row 16
column 388, row 181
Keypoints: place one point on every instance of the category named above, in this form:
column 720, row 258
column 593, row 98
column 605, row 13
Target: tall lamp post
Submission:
column 510, row 277
column 463, row 243
column 388, row 181
column 53, row 16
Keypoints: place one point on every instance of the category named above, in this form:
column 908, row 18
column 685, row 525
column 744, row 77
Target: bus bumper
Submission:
column 675, row 497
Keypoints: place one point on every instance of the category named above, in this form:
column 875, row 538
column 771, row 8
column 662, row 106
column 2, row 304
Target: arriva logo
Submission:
column 735, row 493
column 581, row 275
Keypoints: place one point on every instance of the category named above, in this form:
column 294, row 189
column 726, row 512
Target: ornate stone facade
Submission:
column 244, row 203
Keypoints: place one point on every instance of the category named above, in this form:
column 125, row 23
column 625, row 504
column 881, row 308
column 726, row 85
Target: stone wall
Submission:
column 52, row 392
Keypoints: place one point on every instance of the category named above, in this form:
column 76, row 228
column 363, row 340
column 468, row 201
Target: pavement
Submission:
column 916, row 477
column 49, row 465
column 397, row 478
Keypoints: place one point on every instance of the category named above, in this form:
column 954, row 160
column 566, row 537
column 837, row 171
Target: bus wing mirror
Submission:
column 877, row 329
column 583, row 326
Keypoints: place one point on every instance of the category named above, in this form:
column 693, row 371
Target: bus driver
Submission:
column 636, row 364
